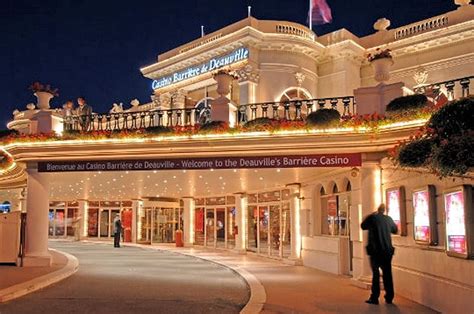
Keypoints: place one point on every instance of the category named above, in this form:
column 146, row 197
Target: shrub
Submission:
column 4, row 133
column 415, row 153
column 454, row 156
column 455, row 118
column 323, row 118
column 159, row 130
column 214, row 126
column 260, row 124
column 407, row 103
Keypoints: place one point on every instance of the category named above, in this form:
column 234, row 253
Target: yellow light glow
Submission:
column 85, row 219
column 377, row 186
column 297, row 205
column 239, row 135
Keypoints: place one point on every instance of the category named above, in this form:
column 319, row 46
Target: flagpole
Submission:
column 202, row 30
column 311, row 14
column 249, row 9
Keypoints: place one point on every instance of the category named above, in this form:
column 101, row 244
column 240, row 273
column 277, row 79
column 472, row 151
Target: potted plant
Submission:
column 44, row 93
column 381, row 60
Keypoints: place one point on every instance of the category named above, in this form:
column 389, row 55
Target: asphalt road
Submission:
column 135, row 280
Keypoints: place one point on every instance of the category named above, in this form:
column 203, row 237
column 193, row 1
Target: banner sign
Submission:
column 201, row 163
column 211, row 65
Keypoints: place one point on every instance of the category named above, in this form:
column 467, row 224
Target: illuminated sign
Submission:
column 395, row 199
column 456, row 237
column 199, row 163
column 424, row 220
column 193, row 71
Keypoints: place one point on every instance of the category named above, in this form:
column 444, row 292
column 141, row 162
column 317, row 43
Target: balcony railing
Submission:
column 453, row 89
column 294, row 110
column 132, row 120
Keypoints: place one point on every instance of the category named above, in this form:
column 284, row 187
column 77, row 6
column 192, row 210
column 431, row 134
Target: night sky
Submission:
column 95, row 48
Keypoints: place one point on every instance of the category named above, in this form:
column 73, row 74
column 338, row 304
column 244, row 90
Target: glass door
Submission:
column 210, row 227
column 252, row 229
column 199, row 222
column 285, row 230
column 275, row 231
column 112, row 215
column 60, row 223
column 231, row 227
column 92, row 222
column 104, row 223
column 145, row 223
column 51, row 222
column 220, row 227
column 72, row 214
column 263, row 225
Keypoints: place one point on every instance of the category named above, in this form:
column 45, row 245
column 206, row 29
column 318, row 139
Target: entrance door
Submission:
column 113, row 213
column 285, row 237
column 104, row 223
column 210, row 227
column 275, row 231
column 263, row 224
column 145, row 220
column 220, row 227
column 252, row 229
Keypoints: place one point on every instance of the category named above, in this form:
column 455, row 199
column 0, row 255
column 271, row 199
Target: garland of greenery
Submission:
column 445, row 144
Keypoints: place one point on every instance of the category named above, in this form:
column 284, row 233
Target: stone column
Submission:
column 248, row 87
column 179, row 99
column 241, row 222
column 136, row 205
column 165, row 101
column 188, row 220
column 83, row 222
column 295, row 219
column 370, row 196
column 37, row 203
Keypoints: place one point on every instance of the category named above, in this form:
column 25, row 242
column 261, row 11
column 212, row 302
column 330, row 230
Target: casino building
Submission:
column 223, row 153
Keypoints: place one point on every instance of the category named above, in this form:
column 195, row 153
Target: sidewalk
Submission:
column 281, row 288
column 18, row 281
column 275, row 287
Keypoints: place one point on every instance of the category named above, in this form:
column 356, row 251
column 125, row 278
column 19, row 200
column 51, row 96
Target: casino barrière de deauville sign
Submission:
column 213, row 64
column 203, row 163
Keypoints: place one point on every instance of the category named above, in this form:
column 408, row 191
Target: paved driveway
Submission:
column 134, row 280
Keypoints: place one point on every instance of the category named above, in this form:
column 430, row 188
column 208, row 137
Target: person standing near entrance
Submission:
column 117, row 230
column 380, row 250
column 76, row 224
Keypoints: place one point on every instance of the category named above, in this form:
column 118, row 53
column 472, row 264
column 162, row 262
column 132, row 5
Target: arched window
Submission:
column 295, row 93
column 292, row 94
column 334, row 188
column 203, row 110
column 322, row 191
column 348, row 186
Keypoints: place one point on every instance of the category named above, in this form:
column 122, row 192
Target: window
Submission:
column 335, row 212
column 203, row 110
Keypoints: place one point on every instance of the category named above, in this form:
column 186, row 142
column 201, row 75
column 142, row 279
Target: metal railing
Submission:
column 453, row 89
column 294, row 110
column 132, row 120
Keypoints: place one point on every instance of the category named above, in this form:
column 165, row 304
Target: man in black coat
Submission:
column 117, row 230
column 380, row 250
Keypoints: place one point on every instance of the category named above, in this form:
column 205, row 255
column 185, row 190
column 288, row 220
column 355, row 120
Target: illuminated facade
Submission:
column 290, row 192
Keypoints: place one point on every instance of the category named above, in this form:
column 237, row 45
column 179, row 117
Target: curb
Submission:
column 41, row 282
column 258, row 296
